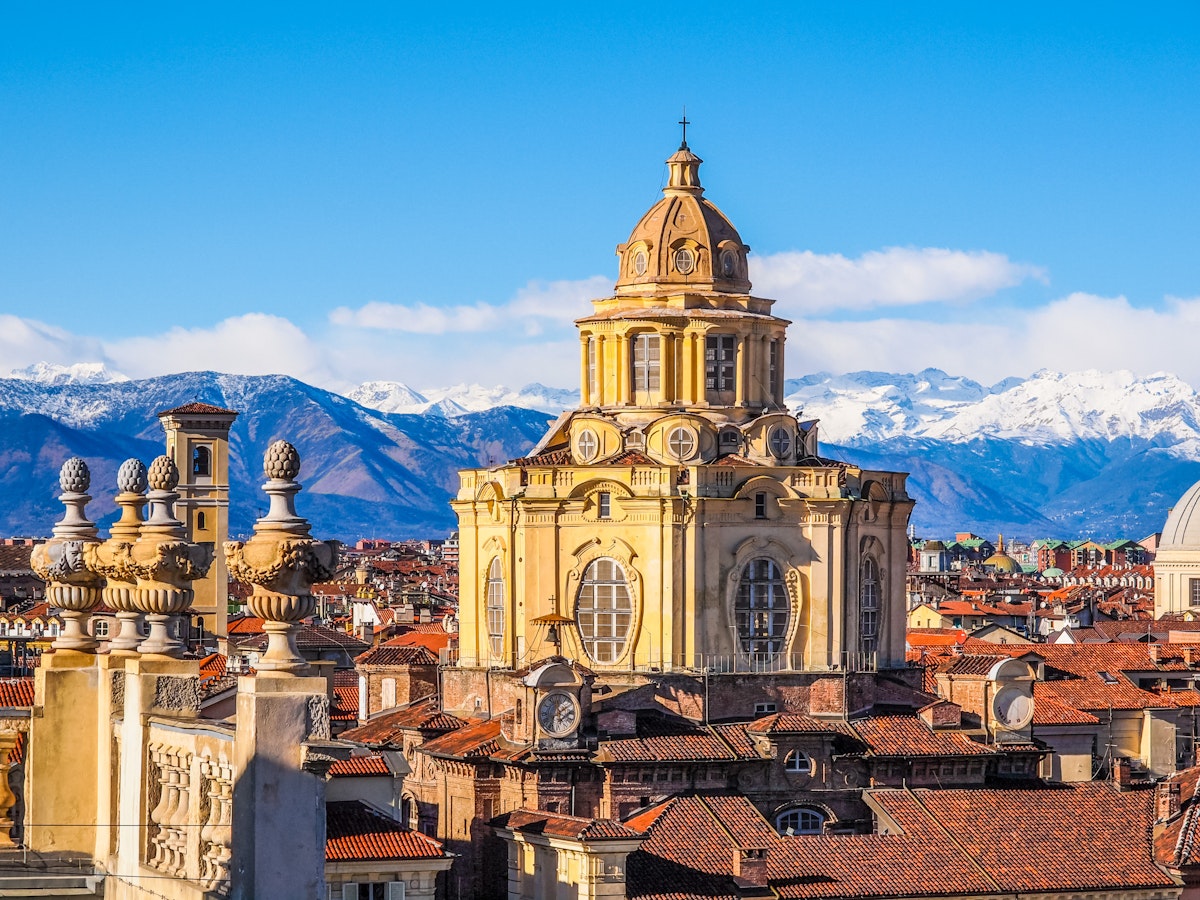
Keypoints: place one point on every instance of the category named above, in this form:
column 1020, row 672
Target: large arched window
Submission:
column 868, row 605
column 604, row 610
column 201, row 461
column 495, row 608
column 761, row 609
column 800, row 820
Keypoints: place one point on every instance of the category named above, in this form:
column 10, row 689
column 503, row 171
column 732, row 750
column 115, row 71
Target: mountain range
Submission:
column 1093, row 453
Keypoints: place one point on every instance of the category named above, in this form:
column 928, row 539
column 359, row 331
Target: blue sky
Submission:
column 410, row 194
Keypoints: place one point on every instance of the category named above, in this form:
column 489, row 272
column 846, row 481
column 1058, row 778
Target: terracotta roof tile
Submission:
column 795, row 723
column 355, row 831
column 388, row 729
column 575, row 828
column 910, row 736
column 16, row 692
column 391, row 655
column 196, row 408
column 1049, row 711
column 345, row 703
column 662, row 739
column 358, row 766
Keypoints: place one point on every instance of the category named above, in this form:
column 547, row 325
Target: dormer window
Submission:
column 798, row 762
column 685, row 261
column 780, row 442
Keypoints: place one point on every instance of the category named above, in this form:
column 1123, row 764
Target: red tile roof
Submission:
column 664, row 740
column 16, row 692
column 529, row 821
column 196, row 408
column 388, row 729
column 246, row 625
column 391, row 655
column 794, row 723
column 910, row 736
column 355, row 831
column 1049, row 711
column 950, row 842
column 345, row 703
column 359, row 766
column 431, row 641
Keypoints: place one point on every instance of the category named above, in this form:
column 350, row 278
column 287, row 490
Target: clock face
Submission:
column 558, row 714
column 1013, row 708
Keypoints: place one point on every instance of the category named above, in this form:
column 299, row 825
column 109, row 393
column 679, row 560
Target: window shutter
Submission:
column 395, row 890
column 350, row 891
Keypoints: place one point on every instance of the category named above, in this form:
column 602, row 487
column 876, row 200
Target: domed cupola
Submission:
column 684, row 241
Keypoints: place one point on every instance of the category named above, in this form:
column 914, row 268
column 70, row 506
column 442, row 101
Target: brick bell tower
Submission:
column 198, row 441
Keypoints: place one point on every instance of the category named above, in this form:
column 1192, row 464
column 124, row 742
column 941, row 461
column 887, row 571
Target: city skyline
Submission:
column 433, row 197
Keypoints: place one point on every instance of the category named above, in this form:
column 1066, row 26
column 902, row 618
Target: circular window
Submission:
column 780, row 442
column 588, row 445
column 681, row 442
column 728, row 263
column 685, row 261
column 639, row 262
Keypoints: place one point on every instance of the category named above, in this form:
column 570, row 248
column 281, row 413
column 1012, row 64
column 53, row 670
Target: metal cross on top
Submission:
column 685, row 123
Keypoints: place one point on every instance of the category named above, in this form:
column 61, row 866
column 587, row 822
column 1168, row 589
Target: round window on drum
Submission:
column 762, row 610
column 604, row 610
column 495, row 608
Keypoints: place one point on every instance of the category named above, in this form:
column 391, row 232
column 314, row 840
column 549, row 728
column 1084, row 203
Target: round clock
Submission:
column 558, row 714
column 1013, row 708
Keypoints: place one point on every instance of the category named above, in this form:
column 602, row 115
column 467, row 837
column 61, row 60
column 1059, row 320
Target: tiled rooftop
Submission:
column 388, row 729
column 355, row 831
column 573, row 827
column 359, row 766
column 910, row 736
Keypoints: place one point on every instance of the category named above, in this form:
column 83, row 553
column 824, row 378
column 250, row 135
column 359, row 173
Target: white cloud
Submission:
column 24, row 342
column 252, row 344
column 558, row 302
column 807, row 283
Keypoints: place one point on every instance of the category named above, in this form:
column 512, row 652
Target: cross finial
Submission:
column 684, row 122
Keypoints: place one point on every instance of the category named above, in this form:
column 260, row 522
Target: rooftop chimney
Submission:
column 1166, row 801
column 750, row 865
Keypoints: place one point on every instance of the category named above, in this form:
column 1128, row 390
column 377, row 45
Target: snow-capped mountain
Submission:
column 458, row 399
column 1050, row 455
column 79, row 373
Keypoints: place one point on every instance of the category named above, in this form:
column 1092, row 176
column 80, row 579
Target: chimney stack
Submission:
column 1166, row 801
column 750, row 865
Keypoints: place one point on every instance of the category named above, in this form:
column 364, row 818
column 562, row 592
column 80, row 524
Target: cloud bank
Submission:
column 530, row 336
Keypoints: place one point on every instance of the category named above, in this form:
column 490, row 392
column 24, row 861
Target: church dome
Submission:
column 1002, row 562
column 683, row 241
column 1183, row 522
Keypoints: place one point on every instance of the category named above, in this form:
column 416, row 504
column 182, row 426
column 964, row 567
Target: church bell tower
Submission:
column 198, row 442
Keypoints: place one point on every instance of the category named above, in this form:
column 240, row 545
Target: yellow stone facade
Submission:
column 682, row 517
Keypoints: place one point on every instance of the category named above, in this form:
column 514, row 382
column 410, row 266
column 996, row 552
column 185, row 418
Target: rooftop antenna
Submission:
column 685, row 123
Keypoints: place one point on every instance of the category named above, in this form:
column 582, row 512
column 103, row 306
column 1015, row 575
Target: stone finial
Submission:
column 131, row 477
column 164, row 562
column 74, row 476
column 281, row 462
column 282, row 562
column 164, row 474
column 71, row 584
column 113, row 558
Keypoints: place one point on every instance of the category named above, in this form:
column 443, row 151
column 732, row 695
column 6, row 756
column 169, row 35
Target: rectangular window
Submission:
column 1194, row 588
column 764, row 709
column 760, row 506
column 720, row 359
column 605, row 505
column 645, row 367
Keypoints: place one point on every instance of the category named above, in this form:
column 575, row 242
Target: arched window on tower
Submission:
column 761, row 610
column 604, row 610
column 200, row 521
column 495, row 608
column 868, row 605
column 201, row 461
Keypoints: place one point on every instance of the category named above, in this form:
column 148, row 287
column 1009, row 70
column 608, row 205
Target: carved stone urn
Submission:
column 282, row 561
column 165, row 564
column 70, row 584
column 112, row 558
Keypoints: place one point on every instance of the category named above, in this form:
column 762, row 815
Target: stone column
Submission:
column 741, row 370
column 585, row 381
column 165, row 563
column 282, row 746
column 112, row 558
column 70, row 584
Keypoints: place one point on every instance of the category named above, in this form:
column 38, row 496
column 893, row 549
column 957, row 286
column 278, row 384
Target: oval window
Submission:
column 780, row 443
column 761, row 610
column 681, row 442
column 604, row 610
column 639, row 262
column 728, row 263
column 588, row 444
column 685, row 261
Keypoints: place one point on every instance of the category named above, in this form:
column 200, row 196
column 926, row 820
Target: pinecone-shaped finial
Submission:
column 281, row 462
column 164, row 474
column 131, row 477
column 74, row 477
